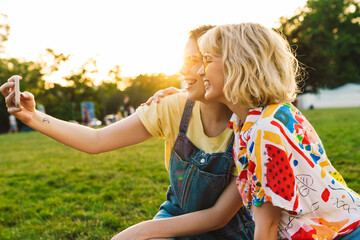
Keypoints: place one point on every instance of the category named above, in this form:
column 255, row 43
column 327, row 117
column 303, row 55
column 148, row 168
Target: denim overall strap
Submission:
column 185, row 119
column 197, row 180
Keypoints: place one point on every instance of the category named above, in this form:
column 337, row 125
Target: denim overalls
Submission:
column 197, row 180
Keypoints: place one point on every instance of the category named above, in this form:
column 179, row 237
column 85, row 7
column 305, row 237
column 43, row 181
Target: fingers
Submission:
column 10, row 104
column 171, row 90
column 13, row 110
column 149, row 101
column 6, row 88
column 12, row 78
column 27, row 96
column 158, row 95
column 9, row 99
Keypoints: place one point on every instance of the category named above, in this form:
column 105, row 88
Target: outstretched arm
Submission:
column 124, row 133
column 189, row 224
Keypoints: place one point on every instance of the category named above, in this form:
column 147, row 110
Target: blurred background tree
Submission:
column 144, row 86
column 326, row 37
column 324, row 33
column 63, row 101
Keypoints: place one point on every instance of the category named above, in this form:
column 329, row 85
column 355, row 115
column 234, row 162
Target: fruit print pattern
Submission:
column 279, row 175
column 281, row 159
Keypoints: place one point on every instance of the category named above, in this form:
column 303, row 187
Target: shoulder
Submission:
column 277, row 117
column 163, row 117
column 169, row 102
column 175, row 99
column 275, row 125
column 169, row 107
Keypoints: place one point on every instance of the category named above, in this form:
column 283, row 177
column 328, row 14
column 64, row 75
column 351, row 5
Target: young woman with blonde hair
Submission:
column 202, row 201
column 285, row 178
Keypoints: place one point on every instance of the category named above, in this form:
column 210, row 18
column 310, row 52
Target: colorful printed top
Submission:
column 281, row 159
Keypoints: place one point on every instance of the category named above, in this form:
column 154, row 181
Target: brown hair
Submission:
column 196, row 33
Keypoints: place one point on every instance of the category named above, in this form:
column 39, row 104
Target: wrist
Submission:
column 32, row 118
column 145, row 230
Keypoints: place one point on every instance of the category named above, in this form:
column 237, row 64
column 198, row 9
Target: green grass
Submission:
column 50, row 191
column 339, row 130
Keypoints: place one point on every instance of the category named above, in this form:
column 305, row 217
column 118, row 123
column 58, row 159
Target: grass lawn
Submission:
column 50, row 191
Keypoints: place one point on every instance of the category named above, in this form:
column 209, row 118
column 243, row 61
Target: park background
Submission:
column 49, row 191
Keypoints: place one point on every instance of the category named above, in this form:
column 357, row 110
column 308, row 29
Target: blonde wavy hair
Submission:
column 259, row 66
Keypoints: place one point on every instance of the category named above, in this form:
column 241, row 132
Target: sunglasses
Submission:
column 190, row 61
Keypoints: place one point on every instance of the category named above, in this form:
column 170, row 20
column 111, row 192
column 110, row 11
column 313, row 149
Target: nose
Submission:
column 184, row 70
column 201, row 71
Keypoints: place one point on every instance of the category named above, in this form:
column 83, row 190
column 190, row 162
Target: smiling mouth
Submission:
column 189, row 82
column 207, row 83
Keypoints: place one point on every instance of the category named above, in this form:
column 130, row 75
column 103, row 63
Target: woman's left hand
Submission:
column 162, row 93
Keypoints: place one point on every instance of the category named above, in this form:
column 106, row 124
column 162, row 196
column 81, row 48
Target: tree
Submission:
column 80, row 88
column 64, row 102
column 144, row 86
column 326, row 36
column 50, row 61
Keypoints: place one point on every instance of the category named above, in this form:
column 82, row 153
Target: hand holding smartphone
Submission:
column 17, row 91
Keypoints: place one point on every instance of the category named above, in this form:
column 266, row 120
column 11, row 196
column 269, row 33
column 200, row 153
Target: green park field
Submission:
column 50, row 191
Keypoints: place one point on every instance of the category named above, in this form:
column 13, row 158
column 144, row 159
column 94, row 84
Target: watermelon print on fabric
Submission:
column 281, row 159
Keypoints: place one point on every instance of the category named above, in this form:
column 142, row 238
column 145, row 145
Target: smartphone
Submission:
column 17, row 91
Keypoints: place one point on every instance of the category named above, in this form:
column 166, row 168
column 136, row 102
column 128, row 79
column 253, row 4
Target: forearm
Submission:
column 184, row 225
column 126, row 132
column 74, row 135
column 198, row 222
column 189, row 224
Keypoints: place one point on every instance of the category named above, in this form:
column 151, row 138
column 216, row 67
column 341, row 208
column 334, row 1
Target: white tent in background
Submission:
column 347, row 95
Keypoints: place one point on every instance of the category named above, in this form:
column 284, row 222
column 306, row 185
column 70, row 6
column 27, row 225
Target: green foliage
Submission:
column 144, row 86
column 64, row 101
column 50, row 61
column 326, row 36
column 50, row 191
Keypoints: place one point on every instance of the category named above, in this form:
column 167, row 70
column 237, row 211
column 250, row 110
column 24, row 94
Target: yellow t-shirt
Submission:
column 162, row 120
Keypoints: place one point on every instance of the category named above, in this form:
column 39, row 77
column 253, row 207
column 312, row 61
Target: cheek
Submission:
column 219, row 72
column 219, row 79
column 219, row 88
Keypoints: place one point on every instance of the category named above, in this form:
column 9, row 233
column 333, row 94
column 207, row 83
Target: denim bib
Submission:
column 197, row 180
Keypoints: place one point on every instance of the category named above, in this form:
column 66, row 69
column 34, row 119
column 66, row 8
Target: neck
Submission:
column 215, row 111
column 239, row 110
column 215, row 117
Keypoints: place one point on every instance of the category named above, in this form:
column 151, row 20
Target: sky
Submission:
column 141, row 36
